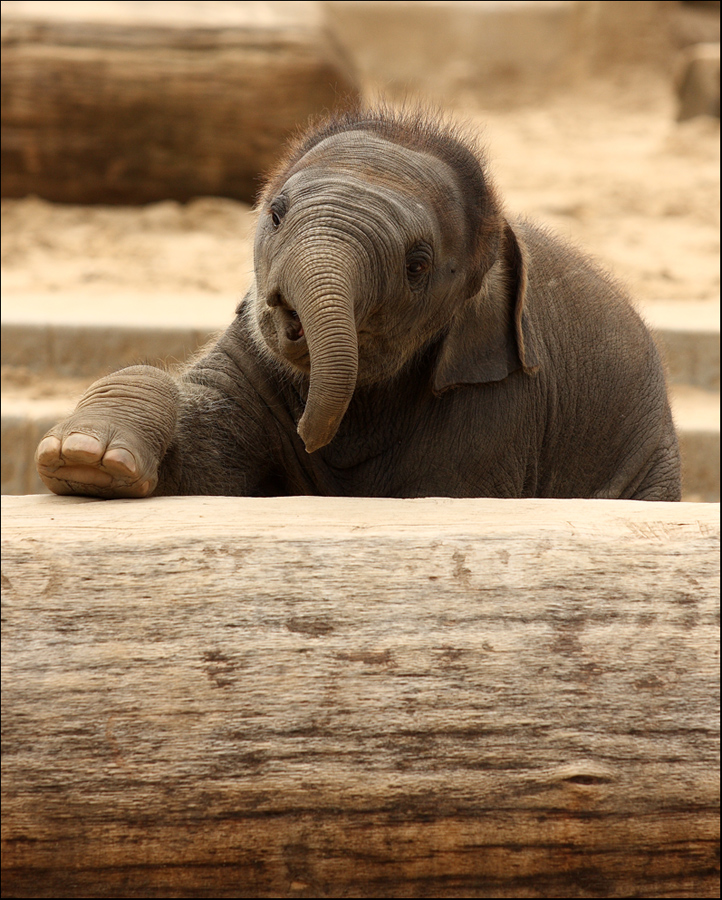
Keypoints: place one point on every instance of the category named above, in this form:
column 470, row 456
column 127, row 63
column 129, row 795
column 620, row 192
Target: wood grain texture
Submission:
column 228, row 697
column 113, row 112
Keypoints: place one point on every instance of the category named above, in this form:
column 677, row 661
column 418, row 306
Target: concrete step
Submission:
column 688, row 333
column 72, row 334
column 30, row 409
column 84, row 335
column 697, row 417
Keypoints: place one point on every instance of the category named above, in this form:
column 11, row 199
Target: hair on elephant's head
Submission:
column 379, row 233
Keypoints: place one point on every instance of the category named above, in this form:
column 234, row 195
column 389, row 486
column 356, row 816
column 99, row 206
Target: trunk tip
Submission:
column 314, row 437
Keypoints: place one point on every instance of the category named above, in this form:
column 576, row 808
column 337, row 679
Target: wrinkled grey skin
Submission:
column 401, row 339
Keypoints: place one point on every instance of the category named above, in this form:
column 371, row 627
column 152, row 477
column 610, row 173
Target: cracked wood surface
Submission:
column 231, row 697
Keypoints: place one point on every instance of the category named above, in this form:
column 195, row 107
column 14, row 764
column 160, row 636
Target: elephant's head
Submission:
column 377, row 235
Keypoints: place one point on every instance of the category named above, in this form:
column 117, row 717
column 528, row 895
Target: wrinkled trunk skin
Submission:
column 326, row 312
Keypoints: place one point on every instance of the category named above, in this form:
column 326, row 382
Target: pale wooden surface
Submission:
column 336, row 697
column 138, row 106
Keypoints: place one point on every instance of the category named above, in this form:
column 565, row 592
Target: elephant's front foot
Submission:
column 85, row 464
column 113, row 444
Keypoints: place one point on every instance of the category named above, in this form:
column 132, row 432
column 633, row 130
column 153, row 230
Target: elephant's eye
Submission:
column 417, row 267
column 418, row 263
column 277, row 211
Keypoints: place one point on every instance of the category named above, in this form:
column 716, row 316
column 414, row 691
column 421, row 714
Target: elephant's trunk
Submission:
column 326, row 311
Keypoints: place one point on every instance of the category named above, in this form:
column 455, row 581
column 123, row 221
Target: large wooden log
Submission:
column 363, row 698
column 136, row 102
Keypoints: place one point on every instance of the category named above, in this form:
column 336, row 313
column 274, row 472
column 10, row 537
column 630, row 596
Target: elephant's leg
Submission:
column 113, row 443
column 662, row 481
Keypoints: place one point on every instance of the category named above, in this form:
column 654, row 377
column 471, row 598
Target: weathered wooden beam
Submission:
column 133, row 103
column 363, row 698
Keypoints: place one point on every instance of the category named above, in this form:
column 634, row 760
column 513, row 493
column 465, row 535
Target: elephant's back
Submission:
column 603, row 378
column 581, row 315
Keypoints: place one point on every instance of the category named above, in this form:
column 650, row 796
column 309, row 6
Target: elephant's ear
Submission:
column 492, row 336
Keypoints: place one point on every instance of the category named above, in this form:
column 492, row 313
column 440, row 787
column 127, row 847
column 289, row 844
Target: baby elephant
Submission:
column 402, row 338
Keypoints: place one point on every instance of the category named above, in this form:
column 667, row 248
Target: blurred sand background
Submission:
column 601, row 158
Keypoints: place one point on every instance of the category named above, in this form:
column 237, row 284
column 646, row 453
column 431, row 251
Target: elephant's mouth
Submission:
column 292, row 339
column 294, row 328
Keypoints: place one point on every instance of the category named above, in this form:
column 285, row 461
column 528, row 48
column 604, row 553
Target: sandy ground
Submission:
column 605, row 165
